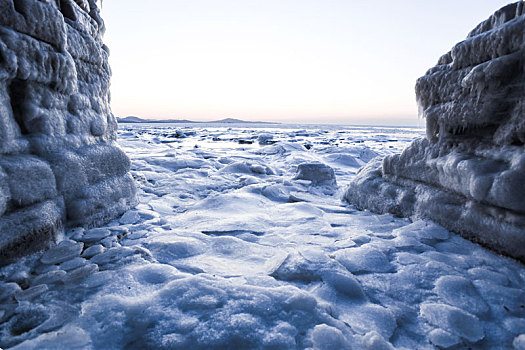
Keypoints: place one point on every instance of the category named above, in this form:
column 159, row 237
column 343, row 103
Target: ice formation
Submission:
column 219, row 254
column 468, row 173
column 59, row 163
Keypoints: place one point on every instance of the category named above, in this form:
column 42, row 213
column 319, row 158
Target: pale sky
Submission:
column 310, row 61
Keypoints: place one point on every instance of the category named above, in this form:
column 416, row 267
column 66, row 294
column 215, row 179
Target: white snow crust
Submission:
column 229, row 248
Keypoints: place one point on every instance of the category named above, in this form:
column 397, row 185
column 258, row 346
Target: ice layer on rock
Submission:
column 59, row 163
column 467, row 174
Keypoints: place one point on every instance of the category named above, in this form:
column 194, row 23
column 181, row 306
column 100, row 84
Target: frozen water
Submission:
column 317, row 173
column 212, row 258
column 64, row 251
column 454, row 320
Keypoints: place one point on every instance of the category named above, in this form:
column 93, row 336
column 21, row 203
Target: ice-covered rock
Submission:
column 318, row 173
column 59, row 163
column 467, row 174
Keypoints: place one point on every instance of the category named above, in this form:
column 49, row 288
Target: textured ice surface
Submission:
column 59, row 163
column 214, row 259
column 467, row 174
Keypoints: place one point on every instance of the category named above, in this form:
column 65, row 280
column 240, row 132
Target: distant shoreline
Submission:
column 136, row 120
column 231, row 121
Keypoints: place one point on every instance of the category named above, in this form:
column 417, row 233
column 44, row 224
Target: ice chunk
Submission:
column 247, row 168
column 7, row 290
column 130, row 217
column 443, row 339
column 69, row 337
column 95, row 235
column 92, row 251
column 370, row 317
column 264, row 138
column 166, row 249
column 454, row 320
column 80, row 273
column 344, row 283
column 31, row 293
column 374, row 341
column 363, row 259
column 64, row 251
column 112, row 255
column 73, row 264
column 459, row 291
column 519, row 342
column 318, row 173
column 326, row 337
column 49, row 277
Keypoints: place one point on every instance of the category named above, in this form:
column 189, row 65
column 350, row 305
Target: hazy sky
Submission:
column 345, row 61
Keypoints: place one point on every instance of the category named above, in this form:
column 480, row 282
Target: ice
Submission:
column 454, row 320
column 31, row 293
column 265, row 138
column 95, row 235
column 317, row 173
column 64, row 251
column 519, row 342
column 363, row 259
column 326, row 337
column 80, row 273
column 73, row 264
column 227, row 259
column 443, row 339
column 467, row 173
column 50, row 277
column 92, row 251
column 374, row 341
column 460, row 292
column 68, row 337
column 130, row 217
column 59, row 163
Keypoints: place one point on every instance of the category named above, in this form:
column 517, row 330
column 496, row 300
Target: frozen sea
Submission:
column 232, row 247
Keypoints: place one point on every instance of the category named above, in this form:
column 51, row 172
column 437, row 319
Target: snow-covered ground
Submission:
column 233, row 247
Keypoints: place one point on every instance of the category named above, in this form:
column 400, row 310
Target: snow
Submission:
column 217, row 255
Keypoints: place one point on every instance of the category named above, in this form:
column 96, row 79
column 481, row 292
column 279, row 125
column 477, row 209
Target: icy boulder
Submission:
column 468, row 174
column 59, row 163
column 318, row 173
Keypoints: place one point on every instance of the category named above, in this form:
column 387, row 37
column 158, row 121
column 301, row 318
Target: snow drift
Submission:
column 59, row 164
column 467, row 174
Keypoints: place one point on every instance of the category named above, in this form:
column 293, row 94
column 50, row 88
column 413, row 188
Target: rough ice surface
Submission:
column 59, row 163
column 218, row 256
column 467, row 174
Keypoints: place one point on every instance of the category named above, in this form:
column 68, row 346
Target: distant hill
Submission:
column 133, row 119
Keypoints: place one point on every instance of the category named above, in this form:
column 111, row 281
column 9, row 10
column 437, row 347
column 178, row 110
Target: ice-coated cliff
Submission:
column 59, row 164
column 468, row 174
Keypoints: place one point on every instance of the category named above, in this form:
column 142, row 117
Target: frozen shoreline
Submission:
column 226, row 248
